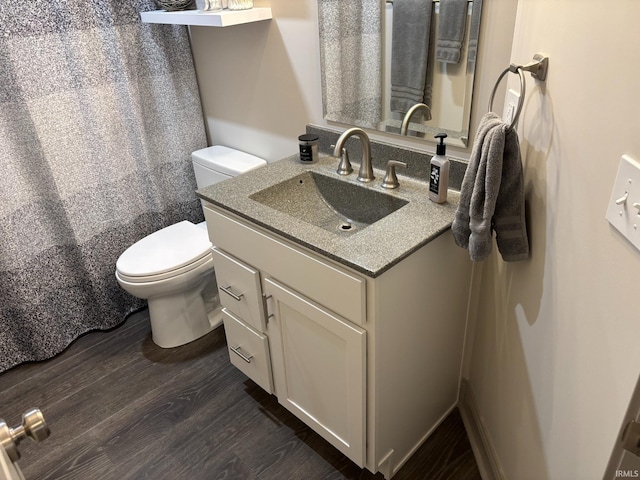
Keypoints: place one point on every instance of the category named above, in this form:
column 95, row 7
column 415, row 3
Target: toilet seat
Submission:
column 147, row 279
column 169, row 252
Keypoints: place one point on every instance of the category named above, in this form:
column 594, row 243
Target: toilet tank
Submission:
column 215, row 164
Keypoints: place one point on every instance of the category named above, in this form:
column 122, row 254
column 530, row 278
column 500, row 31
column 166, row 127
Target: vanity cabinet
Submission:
column 371, row 364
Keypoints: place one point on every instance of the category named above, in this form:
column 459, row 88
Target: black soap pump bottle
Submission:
column 439, row 172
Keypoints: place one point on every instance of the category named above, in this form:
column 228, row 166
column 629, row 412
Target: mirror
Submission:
column 369, row 74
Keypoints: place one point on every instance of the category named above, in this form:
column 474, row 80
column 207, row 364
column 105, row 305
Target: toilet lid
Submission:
column 165, row 250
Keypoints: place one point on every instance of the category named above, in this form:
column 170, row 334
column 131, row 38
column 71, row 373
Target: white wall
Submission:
column 260, row 82
column 556, row 354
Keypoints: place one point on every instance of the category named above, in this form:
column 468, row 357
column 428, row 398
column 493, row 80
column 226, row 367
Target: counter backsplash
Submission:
column 418, row 162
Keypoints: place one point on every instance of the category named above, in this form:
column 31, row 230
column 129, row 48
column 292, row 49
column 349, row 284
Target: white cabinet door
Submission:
column 318, row 362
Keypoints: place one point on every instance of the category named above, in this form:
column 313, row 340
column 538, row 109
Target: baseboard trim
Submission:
column 422, row 440
column 481, row 444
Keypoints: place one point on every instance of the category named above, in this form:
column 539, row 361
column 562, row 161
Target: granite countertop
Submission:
column 371, row 250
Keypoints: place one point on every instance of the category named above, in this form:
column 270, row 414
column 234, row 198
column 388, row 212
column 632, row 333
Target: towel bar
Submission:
column 538, row 69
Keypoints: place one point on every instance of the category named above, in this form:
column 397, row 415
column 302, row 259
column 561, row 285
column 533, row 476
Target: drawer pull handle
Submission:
column 228, row 291
column 238, row 351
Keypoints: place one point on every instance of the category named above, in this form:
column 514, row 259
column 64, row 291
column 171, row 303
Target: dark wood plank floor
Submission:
column 119, row 407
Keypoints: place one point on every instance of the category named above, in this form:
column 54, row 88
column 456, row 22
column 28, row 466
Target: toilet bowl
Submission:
column 173, row 268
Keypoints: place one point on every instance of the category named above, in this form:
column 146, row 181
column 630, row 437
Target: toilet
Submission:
column 173, row 268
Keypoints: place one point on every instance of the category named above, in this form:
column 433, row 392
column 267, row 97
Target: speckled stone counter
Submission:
column 371, row 250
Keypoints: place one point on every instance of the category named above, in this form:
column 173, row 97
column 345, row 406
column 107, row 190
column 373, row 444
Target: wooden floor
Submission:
column 119, row 407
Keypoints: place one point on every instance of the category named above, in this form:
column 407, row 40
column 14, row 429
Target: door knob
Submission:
column 33, row 426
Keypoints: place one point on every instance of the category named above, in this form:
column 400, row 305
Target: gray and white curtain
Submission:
column 351, row 61
column 98, row 116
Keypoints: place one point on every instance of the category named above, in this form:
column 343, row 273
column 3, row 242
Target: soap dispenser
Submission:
column 439, row 172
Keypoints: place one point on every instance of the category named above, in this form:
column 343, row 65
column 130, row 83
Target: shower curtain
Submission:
column 98, row 116
column 351, row 61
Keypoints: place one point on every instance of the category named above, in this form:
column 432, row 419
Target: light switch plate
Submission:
column 623, row 211
column 510, row 106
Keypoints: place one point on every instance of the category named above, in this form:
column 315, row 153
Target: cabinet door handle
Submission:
column 265, row 299
column 228, row 291
column 238, row 351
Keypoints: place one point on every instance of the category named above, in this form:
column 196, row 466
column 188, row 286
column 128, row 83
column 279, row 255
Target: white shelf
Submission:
column 224, row 18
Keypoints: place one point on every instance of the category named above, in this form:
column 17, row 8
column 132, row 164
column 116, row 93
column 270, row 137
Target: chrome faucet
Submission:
column 407, row 116
column 366, row 169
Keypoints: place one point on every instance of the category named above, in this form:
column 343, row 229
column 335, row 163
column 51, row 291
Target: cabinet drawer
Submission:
column 330, row 285
column 239, row 286
column 248, row 351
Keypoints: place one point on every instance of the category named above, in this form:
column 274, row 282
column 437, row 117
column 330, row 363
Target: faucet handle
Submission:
column 390, row 179
column 344, row 167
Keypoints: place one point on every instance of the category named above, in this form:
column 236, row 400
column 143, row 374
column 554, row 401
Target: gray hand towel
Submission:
column 451, row 29
column 461, row 224
column 410, row 82
column 509, row 217
column 492, row 195
column 485, row 194
column 474, row 31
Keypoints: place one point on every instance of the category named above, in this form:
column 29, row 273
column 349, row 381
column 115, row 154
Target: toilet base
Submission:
column 184, row 317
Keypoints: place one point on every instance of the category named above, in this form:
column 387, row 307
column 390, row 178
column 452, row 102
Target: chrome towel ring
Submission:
column 538, row 69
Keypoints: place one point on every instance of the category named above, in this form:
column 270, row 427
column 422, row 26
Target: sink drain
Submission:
column 345, row 227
